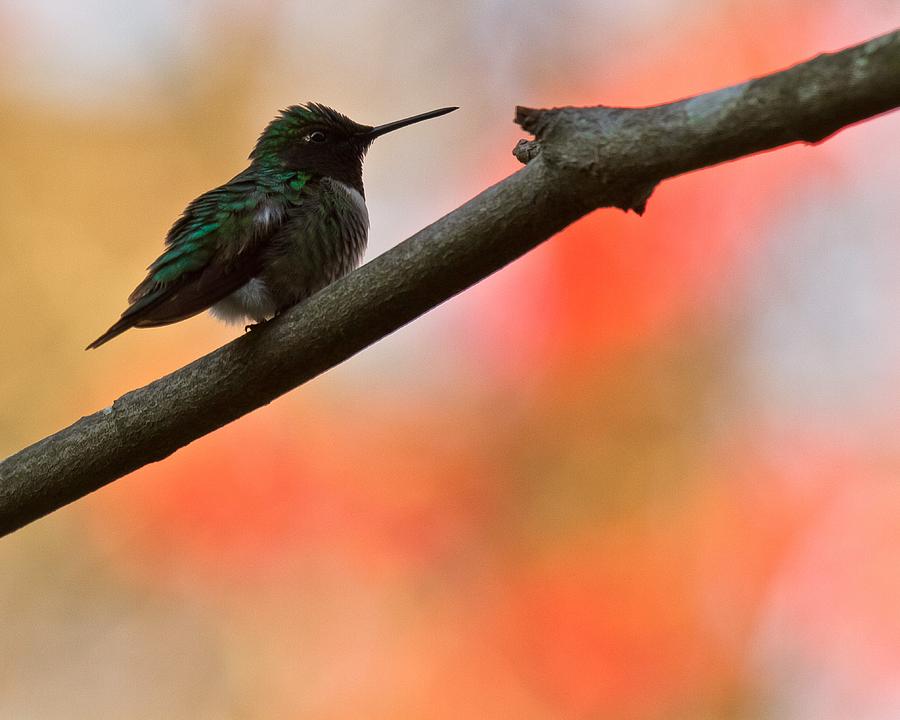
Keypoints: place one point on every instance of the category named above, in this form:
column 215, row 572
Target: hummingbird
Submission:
column 293, row 222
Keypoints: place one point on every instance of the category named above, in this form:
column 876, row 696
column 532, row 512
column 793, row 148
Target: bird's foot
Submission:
column 257, row 325
column 254, row 326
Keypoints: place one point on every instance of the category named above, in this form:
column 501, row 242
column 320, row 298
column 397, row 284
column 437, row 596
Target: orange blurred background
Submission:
column 649, row 471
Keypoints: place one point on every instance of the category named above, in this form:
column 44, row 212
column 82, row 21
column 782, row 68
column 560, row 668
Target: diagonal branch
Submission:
column 582, row 159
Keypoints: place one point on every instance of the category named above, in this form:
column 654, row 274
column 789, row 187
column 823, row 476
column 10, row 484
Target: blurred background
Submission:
column 649, row 471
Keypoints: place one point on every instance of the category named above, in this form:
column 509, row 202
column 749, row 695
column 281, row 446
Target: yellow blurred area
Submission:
column 649, row 471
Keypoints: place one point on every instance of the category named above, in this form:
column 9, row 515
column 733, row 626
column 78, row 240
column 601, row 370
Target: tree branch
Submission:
column 582, row 159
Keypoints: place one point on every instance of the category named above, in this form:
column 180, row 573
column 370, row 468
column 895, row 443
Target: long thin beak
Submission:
column 397, row 124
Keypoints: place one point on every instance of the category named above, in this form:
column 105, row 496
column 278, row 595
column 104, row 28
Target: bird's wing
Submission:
column 214, row 248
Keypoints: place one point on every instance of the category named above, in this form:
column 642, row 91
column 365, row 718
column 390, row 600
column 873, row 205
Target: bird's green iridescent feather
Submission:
column 221, row 215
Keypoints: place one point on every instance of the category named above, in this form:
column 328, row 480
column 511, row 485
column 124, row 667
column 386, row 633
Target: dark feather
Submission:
column 213, row 249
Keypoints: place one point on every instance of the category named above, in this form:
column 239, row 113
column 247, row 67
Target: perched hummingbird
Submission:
column 291, row 223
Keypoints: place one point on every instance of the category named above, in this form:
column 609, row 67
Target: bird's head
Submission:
column 317, row 139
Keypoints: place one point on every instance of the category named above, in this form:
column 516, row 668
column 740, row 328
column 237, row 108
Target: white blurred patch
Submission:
column 822, row 343
column 266, row 216
column 251, row 301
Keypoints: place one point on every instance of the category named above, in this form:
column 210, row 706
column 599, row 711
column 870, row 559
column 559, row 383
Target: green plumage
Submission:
column 222, row 217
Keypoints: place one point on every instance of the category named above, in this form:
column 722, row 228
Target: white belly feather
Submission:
column 249, row 301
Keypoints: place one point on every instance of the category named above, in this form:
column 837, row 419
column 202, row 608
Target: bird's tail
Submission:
column 120, row 326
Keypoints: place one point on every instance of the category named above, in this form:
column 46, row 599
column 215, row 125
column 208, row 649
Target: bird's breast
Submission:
column 348, row 228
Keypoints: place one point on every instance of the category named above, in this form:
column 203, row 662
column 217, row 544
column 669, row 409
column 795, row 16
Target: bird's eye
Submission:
column 316, row 136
